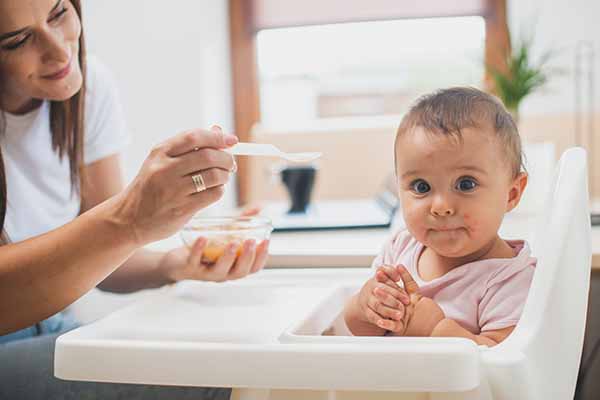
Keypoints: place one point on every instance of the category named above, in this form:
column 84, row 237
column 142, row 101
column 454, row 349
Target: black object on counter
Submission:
column 299, row 182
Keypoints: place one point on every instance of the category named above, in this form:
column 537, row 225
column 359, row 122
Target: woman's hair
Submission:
column 67, row 126
column 449, row 111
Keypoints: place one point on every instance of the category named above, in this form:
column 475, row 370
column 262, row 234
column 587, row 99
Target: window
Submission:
column 364, row 68
column 369, row 80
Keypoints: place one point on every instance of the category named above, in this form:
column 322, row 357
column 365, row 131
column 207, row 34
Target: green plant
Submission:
column 521, row 77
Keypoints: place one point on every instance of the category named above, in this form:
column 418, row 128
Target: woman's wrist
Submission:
column 120, row 216
column 145, row 269
column 113, row 224
column 164, row 269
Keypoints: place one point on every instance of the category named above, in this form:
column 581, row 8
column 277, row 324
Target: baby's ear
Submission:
column 517, row 188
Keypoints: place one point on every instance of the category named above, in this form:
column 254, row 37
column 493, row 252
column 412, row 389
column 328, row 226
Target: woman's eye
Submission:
column 420, row 186
column 15, row 45
column 59, row 14
column 466, row 185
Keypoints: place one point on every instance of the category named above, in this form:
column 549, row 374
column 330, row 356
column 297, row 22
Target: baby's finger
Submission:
column 391, row 272
column 395, row 290
column 386, row 272
column 384, row 311
column 382, row 277
column 394, row 300
column 391, row 325
column 410, row 285
column 396, row 326
column 372, row 316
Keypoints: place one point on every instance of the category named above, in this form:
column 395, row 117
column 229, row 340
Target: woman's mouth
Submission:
column 60, row 74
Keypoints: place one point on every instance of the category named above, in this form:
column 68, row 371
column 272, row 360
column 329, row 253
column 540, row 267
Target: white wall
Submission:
column 558, row 25
column 171, row 61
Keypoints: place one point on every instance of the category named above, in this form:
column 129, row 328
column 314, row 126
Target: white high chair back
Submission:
column 540, row 359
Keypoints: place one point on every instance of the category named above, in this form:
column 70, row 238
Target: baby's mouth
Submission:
column 446, row 228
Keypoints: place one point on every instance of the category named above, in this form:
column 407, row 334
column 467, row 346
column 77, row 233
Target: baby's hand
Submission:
column 382, row 302
column 422, row 314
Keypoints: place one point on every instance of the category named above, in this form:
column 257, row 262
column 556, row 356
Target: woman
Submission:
column 67, row 222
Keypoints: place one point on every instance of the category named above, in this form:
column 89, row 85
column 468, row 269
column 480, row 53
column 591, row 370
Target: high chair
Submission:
column 268, row 337
column 540, row 359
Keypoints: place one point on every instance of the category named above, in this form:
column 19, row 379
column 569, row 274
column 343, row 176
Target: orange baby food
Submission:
column 216, row 247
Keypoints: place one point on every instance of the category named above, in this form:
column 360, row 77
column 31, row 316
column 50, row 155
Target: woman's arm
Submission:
column 151, row 269
column 43, row 275
column 140, row 271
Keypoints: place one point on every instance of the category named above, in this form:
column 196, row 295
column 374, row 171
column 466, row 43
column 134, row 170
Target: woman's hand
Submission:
column 163, row 196
column 184, row 263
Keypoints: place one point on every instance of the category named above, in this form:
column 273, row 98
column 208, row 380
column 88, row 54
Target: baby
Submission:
column 459, row 170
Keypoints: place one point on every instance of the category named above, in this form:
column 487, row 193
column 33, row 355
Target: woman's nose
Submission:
column 442, row 206
column 56, row 49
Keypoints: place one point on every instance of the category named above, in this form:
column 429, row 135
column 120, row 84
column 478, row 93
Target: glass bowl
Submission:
column 221, row 231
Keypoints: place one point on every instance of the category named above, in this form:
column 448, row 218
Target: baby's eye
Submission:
column 466, row 184
column 420, row 186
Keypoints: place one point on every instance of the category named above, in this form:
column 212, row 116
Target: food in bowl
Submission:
column 223, row 231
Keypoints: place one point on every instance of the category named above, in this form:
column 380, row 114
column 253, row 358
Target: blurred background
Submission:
column 336, row 76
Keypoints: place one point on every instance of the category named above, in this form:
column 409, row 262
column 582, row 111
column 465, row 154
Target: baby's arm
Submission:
column 426, row 318
column 501, row 305
column 450, row 328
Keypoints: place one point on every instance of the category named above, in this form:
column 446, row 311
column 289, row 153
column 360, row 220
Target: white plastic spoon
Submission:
column 269, row 150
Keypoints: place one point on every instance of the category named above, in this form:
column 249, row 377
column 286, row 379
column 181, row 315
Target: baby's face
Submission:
column 454, row 194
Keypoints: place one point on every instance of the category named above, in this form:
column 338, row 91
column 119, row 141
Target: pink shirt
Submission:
column 481, row 295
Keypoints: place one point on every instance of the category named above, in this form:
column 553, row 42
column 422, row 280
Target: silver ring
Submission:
column 199, row 183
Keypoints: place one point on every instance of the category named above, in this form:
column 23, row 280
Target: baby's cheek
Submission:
column 419, row 233
column 473, row 224
column 414, row 218
column 413, row 214
column 415, row 226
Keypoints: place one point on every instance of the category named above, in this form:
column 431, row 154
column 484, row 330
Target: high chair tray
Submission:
column 228, row 335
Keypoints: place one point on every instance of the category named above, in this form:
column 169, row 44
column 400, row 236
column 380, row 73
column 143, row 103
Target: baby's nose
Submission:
column 443, row 213
column 442, row 207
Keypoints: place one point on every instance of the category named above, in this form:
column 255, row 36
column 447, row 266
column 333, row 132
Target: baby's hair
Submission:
column 449, row 111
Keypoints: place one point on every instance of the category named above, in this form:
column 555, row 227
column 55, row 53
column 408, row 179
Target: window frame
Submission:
column 245, row 77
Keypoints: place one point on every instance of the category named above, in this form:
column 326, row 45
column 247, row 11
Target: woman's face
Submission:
column 39, row 52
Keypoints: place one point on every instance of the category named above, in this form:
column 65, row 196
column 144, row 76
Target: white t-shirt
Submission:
column 38, row 183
